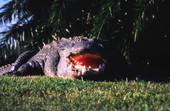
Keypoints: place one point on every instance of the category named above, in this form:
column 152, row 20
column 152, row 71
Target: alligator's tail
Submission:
column 5, row 69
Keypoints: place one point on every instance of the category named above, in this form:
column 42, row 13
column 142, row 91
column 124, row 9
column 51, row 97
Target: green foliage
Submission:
column 45, row 93
column 124, row 22
column 29, row 27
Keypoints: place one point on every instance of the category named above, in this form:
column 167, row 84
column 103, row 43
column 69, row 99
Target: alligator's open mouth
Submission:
column 83, row 64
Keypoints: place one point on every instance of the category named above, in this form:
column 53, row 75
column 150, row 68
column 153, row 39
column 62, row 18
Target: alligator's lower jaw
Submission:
column 82, row 71
column 79, row 70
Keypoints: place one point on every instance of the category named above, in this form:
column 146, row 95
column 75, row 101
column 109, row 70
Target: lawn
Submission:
column 46, row 93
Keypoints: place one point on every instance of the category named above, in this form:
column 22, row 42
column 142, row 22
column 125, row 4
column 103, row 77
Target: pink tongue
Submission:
column 87, row 60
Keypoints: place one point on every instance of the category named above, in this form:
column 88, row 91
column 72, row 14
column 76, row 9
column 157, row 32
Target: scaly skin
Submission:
column 72, row 58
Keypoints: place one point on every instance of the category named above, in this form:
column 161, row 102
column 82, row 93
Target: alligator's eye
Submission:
column 63, row 49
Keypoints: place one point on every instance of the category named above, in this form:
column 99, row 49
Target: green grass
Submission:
column 45, row 93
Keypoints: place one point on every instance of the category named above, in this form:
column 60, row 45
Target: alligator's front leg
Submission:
column 22, row 59
column 32, row 67
column 45, row 61
column 47, row 66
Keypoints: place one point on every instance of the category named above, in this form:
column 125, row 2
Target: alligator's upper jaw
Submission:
column 86, row 64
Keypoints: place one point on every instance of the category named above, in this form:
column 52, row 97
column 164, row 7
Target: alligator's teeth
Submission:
column 96, row 69
column 83, row 70
column 79, row 73
column 72, row 59
column 70, row 66
column 84, row 67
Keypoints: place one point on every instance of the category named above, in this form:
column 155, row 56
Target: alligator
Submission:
column 72, row 58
